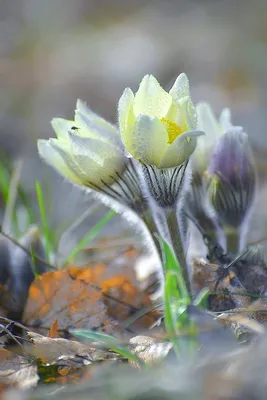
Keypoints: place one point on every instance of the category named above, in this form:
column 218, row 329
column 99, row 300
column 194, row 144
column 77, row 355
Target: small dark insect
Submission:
column 74, row 128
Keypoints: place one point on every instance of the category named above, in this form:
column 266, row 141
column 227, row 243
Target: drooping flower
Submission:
column 159, row 128
column 87, row 151
column 232, row 178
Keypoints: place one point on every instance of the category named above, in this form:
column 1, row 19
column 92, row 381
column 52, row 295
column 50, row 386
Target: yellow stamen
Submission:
column 172, row 129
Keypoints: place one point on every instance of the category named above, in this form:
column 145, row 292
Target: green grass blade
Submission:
column 90, row 235
column 45, row 230
column 107, row 341
column 34, row 266
column 170, row 263
column 4, row 182
column 179, row 327
column 201, row 299
column 171, row 296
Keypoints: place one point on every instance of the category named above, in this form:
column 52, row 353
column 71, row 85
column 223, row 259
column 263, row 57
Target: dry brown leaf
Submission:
column 53, row 331
column 242, row 320
column 64, row 296
column 16, row 371
column 50, row 349
column 150, row 350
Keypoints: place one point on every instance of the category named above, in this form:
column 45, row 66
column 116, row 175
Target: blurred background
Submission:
column 54, row 51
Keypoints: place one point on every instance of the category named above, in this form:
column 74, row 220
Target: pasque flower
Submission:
column 197, row 204
column 213, row 128
column 159, row 128
column 232, row 177
column 87, row 151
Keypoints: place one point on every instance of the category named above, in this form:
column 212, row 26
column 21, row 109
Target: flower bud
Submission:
column 232, row 178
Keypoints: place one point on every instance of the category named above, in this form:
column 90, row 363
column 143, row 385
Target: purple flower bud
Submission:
column 232, row 177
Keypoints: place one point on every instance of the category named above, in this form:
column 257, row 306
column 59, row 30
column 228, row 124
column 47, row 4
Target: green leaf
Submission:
column 45, row 230
column 106, row 340
column 202, row 298
column 178, row 324
column 170, row 263
column 4, row 182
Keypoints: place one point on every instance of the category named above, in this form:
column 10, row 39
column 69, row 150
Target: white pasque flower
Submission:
column 159, row 128
column 213, row 128
column 87, row 151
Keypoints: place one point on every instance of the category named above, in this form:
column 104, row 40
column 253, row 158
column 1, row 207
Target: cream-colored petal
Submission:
column 52, row 157
column 92, row 129
column 180, row 150
column 126, row 118
column 82, row 109
column 180, row 87
column 151, row 99
column 62, row 126
column 207, row 122
column 187, row 114
column 150, row 140
column 94, row 149
column 98, row 160
column 225, row 120
column 64, row 150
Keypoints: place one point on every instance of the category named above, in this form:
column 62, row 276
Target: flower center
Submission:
column 172, row 129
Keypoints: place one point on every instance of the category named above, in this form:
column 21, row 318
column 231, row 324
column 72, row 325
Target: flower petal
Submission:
column 84, row 116
column 207, row 122
column 151, row 99
column 92, row 129
column 89, row 150
column 187, row 114
column 180, row 87
column 99, row 161
column 64, row 150
column 52, row 157
column 180, row 150
column 126, row 118
column 150, row 140
column 61, row 127
column 225, row 120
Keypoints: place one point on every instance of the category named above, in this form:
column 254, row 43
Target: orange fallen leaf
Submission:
column 132, row 299
column 122, row 296
column 62, row 295
column 53, row 331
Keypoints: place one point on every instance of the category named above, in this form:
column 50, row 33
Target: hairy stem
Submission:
column 152, row 227
column 232, row 239
column 177, row 243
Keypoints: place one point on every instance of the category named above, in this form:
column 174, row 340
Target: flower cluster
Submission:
column 147, row 161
